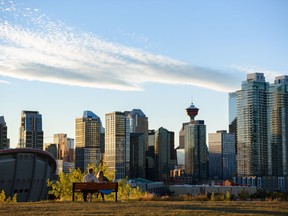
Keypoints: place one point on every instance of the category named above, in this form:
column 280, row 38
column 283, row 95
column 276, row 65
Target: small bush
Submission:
column 4, row 199
column 227, row 196
column 212, row 197
column 2, row 196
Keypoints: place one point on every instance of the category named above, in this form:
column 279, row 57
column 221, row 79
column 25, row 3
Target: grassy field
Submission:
column 145, row 208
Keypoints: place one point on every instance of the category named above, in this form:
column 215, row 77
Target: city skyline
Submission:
column 153, row 56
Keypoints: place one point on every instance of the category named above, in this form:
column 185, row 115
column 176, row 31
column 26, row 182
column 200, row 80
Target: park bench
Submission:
column 92, row 187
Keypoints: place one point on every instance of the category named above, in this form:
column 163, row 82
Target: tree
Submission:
column 62, row 188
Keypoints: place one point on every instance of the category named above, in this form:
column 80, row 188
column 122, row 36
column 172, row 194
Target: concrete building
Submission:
column 30, row 132
column 52, row 149
column 196, row 190
column 117, row 144
column 25, row 171
column 65, row 147
column 222, row 157
column 157, row 188
column 88, row 129
column 61, row 142
column 278, row 124
column 196, row 151
column 252, row 127
column 4, row 141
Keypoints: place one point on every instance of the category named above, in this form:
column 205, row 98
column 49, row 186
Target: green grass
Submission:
column 178, row 208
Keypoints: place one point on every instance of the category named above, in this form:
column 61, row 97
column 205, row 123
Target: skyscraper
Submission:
column 4, row 141
column 117, row 144
column 222, row 158
column 233, row 116
column 137, row 155
column 138, row 123
column 88, row 129
column 61, row 141
column 278, row 124
column 252, row 126
column 31, row 133
column 196, row 152
column 150, row 156
column 65, row 147
column 164, row 142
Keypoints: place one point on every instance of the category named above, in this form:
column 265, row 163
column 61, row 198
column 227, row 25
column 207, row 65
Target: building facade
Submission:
column 4, row 141
column 137, row 155
column 278, row 126
column 252, row 126
column 222, row 157
column 164, row 142
column 137, row 122
column 65, row 147
column 117, row 144
column 196, row 151
column 30, row 132
column 87, row 139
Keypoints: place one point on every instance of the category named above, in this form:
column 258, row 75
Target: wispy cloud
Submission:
column 50, row 51
column 269, row 74
column 4, row 82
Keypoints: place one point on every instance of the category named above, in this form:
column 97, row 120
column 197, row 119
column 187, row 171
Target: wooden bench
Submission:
column 92, row 187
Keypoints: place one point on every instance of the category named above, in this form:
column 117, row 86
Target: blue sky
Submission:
column 63, row 57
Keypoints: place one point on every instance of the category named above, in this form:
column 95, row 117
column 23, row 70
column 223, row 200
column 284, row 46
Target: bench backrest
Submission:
column 78, row 186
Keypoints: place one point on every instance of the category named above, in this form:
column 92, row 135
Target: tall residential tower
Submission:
column 252, row 126
column 278, row 130
column 31, row 133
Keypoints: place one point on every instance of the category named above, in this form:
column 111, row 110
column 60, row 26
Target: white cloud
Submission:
column 4, row 82
column 269, row 74
column 53, row 52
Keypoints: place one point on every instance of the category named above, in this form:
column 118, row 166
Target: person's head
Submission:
column 91, row 170
column 100, row 174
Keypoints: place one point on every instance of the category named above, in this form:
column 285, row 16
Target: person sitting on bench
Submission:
column 89, row 177
column 103, row 178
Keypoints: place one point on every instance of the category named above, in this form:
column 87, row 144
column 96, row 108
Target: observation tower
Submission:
column 192, row 111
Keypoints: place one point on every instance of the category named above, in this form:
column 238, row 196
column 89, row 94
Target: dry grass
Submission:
column 146, row 208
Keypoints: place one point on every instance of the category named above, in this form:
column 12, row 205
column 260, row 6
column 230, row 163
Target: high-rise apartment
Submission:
column 222, row 158
column 117, row 144
column 278, row 121
column 31, row 133
column 196, row 151
column 88, row 129
column 164, row 143
column 252, row 126
column 4, row 141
